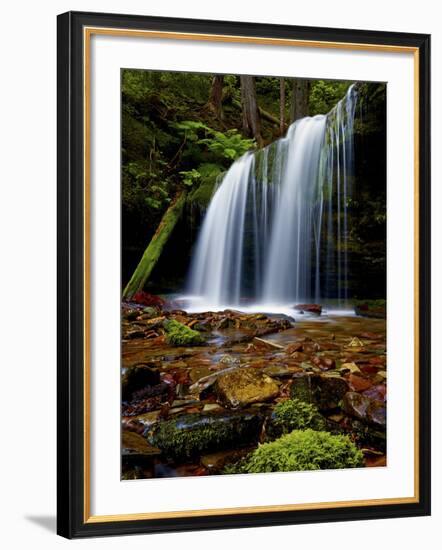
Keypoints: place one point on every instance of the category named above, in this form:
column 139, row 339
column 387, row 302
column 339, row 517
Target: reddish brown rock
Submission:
column 309, row 308
column 358, row 383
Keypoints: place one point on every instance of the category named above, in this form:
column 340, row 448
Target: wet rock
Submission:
column 299, row 356
column 366, row 410
column 358, row 383
column 371, row 308
column 147, row 299
column 377, row 414
column 379, row 360
column 135, row 445
column 292, row 348
column 367, row 435
column 130, row 314
column 377, row 392
column 326, row 392
column 260, row 343
column 147, row 419
column 309, row 308
column 375, row 461
column 355, row 343
column 324, row 363
column 356, row 405
column 195, row 434
column 279, row 371
column 215, row 462
column 203, row 326
column 228, row 360
column 349, row 367
column 211, row 407
column 196, row 373
column 138, row 378
column 240, row 387
column 132, row 334
column 224, row 323
column 149, row 312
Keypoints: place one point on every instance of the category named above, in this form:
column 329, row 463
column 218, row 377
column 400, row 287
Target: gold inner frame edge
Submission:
column 87, row 34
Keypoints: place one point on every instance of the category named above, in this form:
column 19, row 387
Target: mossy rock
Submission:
column 178, row 334
column 326, row 392
column 301, row 450
column 376, row 309
column 293, row 414
column 196, row 434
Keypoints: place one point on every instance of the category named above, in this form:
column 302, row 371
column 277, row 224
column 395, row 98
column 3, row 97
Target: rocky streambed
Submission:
column 209, row 393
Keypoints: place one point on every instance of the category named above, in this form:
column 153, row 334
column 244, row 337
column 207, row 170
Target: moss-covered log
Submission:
column 155, row 247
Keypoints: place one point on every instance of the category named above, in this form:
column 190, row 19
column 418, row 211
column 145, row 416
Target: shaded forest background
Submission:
column 182, row 131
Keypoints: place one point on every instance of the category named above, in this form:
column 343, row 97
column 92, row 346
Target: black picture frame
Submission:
column 72, row 520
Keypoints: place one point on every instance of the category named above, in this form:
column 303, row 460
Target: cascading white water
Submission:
column 276, row 229
column 288, row 270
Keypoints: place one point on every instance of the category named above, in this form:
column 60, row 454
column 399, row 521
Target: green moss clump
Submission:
column 294, row 414
column 301, row 450
column 178, row 334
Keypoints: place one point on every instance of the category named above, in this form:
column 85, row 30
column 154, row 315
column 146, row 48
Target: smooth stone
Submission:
column 358, row 383
column 367, row 410
column 356, row 405
column 278, row 371
column 133, row 444
column 243, row 386
column 215, row 462
column 210, row 407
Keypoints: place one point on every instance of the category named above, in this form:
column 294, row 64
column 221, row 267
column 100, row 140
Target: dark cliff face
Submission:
column 368, row 221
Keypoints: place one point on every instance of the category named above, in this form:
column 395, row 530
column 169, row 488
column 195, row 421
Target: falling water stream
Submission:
column 276, row 230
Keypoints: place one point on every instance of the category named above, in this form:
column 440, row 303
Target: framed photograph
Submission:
column 243, row 274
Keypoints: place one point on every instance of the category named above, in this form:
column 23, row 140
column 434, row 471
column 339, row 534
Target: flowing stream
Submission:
column 276, row 230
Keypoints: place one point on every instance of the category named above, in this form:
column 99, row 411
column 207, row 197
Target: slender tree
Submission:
column 251, row 120
column 216, row 96
column 300, row 99
column 281, row 105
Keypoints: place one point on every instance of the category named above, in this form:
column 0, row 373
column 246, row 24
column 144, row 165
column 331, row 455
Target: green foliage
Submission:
column 295, row 414
column 230, row 145
column 178, row 334
column 224, row 145
column 325, row 94
column 190, row 177
column 208, row 177
column 301, row 450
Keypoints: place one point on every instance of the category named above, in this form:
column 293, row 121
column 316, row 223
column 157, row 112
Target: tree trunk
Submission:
column 155, row 247
column 251, row 121
column 300, row 98
column 281, row 105
column 216, row 96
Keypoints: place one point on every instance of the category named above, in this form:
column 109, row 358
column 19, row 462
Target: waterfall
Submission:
column 276, row 230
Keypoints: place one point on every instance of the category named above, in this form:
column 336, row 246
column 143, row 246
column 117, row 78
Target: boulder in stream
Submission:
column 193, row 435
column 326, row 392
column 240, row 387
